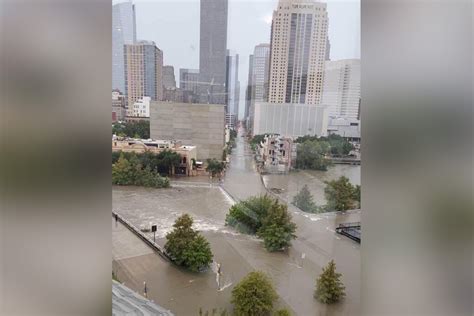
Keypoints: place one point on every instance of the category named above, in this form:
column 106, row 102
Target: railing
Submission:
column 157, row 248
column 350, row 230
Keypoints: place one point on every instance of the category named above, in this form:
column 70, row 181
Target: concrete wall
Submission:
column 200, row 125
column 290, row 119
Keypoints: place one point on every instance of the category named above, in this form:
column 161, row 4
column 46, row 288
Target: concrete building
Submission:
column 290, row 120
column 189, row 79
column 143, row 71
column 276, row 154
column 298, row 51
column 141, row 108
column 232, row 85
column 123, row 32
column 119, row 106
column 169, row 81
column 213, row 51
column 346, row 127
column 231, row 121
column 200, row 125
column 342, row 88
column 259, row 77
column 248, row 93
column 187, row 153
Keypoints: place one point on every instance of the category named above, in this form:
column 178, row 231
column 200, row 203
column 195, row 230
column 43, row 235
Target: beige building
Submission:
column 200, row 125
column 298, row 49
column 276, row 154
column 187, row 153
column 143, row 72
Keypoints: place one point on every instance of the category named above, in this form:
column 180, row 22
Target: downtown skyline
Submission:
column 169, row 16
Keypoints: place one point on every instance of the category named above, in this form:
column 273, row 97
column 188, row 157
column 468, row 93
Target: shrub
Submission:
column 329, row 288
column 254, row 295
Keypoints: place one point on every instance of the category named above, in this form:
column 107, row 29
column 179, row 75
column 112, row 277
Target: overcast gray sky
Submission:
column 174, row 26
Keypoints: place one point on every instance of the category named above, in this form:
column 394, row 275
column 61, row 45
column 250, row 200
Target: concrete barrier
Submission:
column 157, row 248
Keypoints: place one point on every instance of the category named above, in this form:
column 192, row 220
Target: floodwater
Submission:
column 293, row 272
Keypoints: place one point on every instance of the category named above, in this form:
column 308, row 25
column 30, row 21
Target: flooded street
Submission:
column 293, row 272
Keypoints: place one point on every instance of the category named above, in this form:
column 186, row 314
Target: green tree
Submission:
column 122, row 172
column 329, row 287
column 304, row 201
column 312, row 155
column 138, row 129
column 341, row 195
column 168, row 160
column 282, row 312
column 265, row 217
column 187, row 247
column 254, row 295
column 277, row 228
column 214, row 166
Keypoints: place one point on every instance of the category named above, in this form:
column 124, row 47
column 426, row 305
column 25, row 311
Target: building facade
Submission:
column 276, row 154
column 189, row 79
column 248, row 93
column 348, row 128
column 213, row 51
column 123, row 32
column 187, row 153
column 290, row 119
column 298, row 51
column 169, row 81
column 342, row 88
column 232, row 85
column 141, row 108
column 143, row 71
column 119, row 106
column 260, row 72
column 200, row 125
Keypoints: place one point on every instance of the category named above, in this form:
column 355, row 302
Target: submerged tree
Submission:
column 304, row 201
column 329, row 287
column 341, row 195
column 254, row 295
column 187, row 247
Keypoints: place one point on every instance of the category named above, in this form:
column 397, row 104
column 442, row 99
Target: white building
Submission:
column 345, row 127
column 141, row 108
column 258, row 78
column 342, row 88
column 290, row 119
column 298, row 52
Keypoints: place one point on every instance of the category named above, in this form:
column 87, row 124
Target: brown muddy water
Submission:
column 293, row 272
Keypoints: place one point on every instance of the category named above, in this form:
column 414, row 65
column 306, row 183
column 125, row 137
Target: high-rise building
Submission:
column 232, row 86
column 248, row 92
column 119, row 106
column 123, row 32
column 259, row 78
column 328, row 50
column 189, row 79
column 342, row 88
column 298, row 49
column 143, row 72
column 169, row 81
column 213, row 51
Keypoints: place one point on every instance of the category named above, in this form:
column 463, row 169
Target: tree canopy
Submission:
column 304, row 201
column 163, row 162
column 265, row 217
column 254, row 295
column 187, row 247
column 341, row 195
column 135, row 129
column 214, row 166
column 131, row 172
column 329, row 287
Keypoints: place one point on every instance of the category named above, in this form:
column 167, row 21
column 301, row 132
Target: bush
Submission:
column 131, row 172
column 265, row 217
column 254, row 295
column 187, row 247
column 282, row 312
column 329, row 288
column 138, row 129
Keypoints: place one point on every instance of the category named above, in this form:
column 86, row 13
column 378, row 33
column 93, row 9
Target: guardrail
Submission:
column 350, row 230
column 157, row 248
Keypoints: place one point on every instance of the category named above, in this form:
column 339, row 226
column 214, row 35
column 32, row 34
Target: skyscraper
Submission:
column 232, row 85
column 298, row 49
column 248, row 92
column 123, row 32
column 342, row 88
column 213, row 50
column 143, row 71
column 259, row 77
column 189, row 79
column 169, row 81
